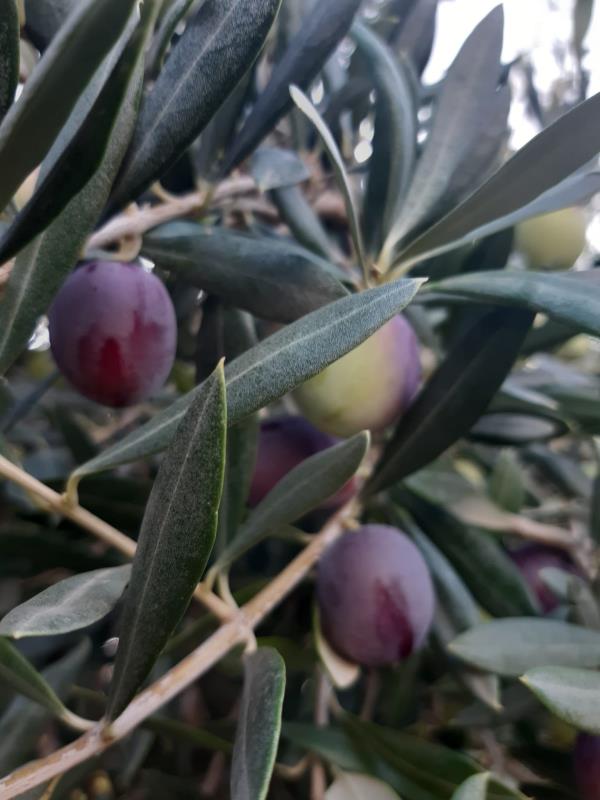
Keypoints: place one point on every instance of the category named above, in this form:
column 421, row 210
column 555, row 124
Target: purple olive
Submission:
column 283, row 443
column 113, row 332
column 586, row 764
column 531, row 559
column 368, row 388
column 375, row 596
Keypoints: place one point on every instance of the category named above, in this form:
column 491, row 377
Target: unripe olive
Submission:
column 283, row 443
column 113, row 332
column 375, row 596
column 586, row 764
column 554, row 240
column 369, row 387
column 531, row 559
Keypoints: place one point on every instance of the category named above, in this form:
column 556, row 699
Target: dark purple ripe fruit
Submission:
column 531, row 559
column 586, row 764
column 375, row 596
column 283, row 443
column 113, row 332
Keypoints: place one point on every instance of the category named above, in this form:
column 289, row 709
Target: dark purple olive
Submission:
column 113, row 332
column 531, row 559
column 375, row 596
column 283, row 443
column 586, row 764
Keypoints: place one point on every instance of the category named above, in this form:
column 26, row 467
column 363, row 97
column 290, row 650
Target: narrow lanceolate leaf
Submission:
column 9, row 53
column 322, row 29
column 76, row 165
column 456, row 395
column 26, row 719
column 259, row 725
column 274, row 367
column 417, row 31
column 305, row 487
column 218, row 45
column 571, row 694
column 300, row 217
column 274, row 168
column 474, row 788
column 489, row 573
column 272, row 279
column 329, row 143
column 572, row 298
column 242, row 441
column 514, row 646
column 69, row 605
column 546, row 161
column 175, row 542
column 462, row 113
column 395, row 139
column 17, row 672
column 41, row 268
column 31, row 126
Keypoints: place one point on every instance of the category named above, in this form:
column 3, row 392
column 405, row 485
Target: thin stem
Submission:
column 228, row 636
column 100, row 529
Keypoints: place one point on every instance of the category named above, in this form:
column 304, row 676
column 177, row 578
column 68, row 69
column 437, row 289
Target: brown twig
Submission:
column 100, row 529
column 229, row 635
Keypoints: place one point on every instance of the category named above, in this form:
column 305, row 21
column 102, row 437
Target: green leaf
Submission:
column 242, row 441
column 474, row 788
column 302, row 489
column 571, row 298
column 514, row 646
column 322, row 28
column 455, row 396
column 26, row 720
column 175, row 542
column 272, row 279
column 511, row 428
column 534, row 181
column 395, row 138
column 75, row 165
column 417, row 31
column 489, row 573
column 259, row 725
column 9, row 53
column 41, row 268
column 16, row 670
column 343, row 182
column 44, row 19
column 31, row 126
column 355, row 786
column 275, row 168
column 219, row 44
column 272, row 368
column 466, row 98
column 68, row 605
column 173, row 15
column 300, row 217
column 571, row 694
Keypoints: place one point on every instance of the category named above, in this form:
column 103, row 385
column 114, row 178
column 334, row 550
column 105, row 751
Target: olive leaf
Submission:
column 272, row 279
column 455, row 396
column 68, row 605
column 30, row 127
column 395, row 137
column 175, row 541
column 324, row 25
column 474, row 788
column 16, row 670
column 259, row 725
column 570, row 693
column 220, row 42
column 303, row 488
column 9, row 53
column 514, row 646
column 272, row 368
